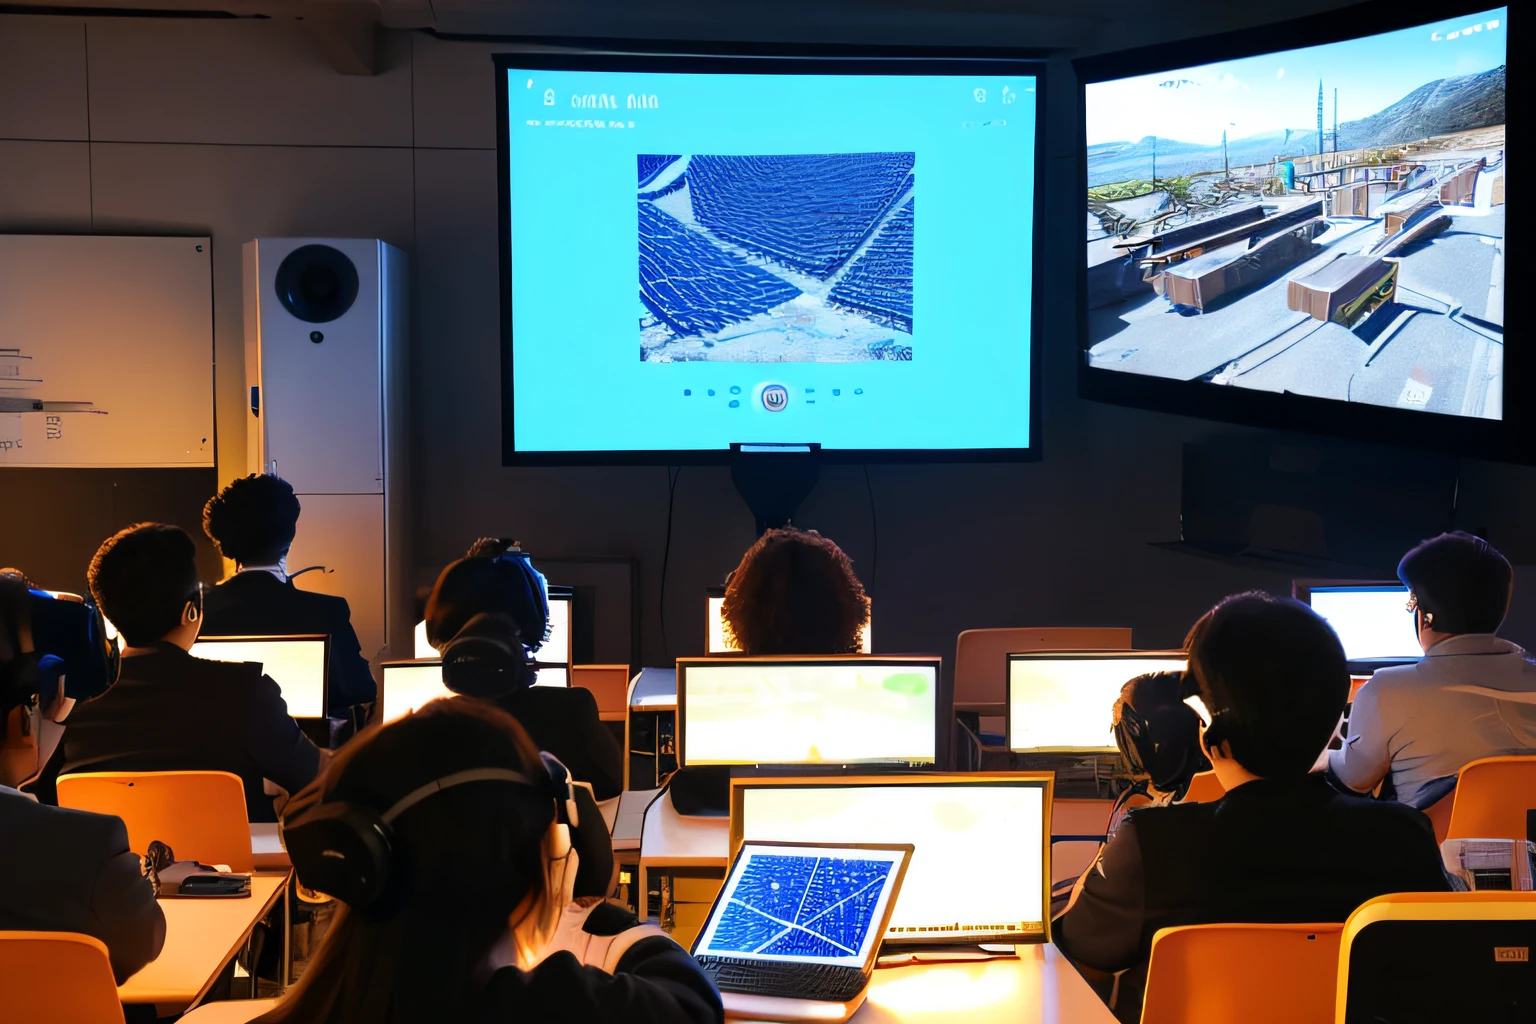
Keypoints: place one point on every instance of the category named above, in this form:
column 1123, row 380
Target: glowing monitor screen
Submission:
column 736, row 251
column 295, row 664
column 556, row 650
column 1373, row 623
column 721, row 642
column 410, row 684
column 950, row 822
column 1065, row 702
column 803, row 904
column 799, row 711
column 1326, row 221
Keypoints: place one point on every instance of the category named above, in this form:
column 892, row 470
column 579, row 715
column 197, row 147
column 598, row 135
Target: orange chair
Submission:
column 1204, row 788
column 199, row 815
column 1492, row 798
column 609, row 685
column 1248, row 973
column 48, row 977
column 1438, row 956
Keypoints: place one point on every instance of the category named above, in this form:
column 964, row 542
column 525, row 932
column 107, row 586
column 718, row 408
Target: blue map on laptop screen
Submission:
column 801, row 907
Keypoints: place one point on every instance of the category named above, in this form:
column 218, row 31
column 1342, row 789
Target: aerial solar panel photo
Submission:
column 1326, row 222
column 776, row 259
column 802, row 906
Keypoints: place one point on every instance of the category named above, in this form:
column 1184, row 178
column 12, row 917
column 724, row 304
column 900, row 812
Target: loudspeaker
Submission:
column 325, row 370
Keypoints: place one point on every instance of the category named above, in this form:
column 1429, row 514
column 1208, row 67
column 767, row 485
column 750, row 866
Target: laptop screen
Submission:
column 803, row 904
column 295, row 663
column 1373, row 622
column 951, row 820
column 720, row 642
column 846, row 710
column 556, row 650
column 410, row 684
column 1063, row 702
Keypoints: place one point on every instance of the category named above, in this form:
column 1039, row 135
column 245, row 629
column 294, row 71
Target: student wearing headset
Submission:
column 449, row 841
column 170, row 711
column 1159, row 740
column 488, row 616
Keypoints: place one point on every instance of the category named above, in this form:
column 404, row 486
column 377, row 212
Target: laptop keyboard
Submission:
column 826, row 982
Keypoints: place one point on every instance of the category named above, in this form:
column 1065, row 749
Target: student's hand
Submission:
column 598, row 932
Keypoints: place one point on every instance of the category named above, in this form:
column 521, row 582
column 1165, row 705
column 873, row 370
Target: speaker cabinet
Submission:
column 325, row 371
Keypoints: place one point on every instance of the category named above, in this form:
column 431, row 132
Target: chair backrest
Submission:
column 1492, row 798
column 48, row 977
column 1438, row 956
column 981, row 655
column 1204, row 788
column 609, row 685
column 1254, row 973
column 200, row 815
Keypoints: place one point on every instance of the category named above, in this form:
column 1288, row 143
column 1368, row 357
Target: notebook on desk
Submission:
column 297, row 664
column 794, row 933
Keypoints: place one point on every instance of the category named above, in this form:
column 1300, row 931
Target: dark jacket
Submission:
column 70, row 871
column 1268, row 851
column 170, row 711
column 565, row 722
column 655, row 982
column 257, row 603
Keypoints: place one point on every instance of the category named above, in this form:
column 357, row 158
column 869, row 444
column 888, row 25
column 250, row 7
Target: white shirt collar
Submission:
column 1473, row 643
column 276, row 570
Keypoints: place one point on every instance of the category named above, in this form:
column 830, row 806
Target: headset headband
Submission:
column 448, row 782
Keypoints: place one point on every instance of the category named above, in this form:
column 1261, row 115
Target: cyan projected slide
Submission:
column 699, row 260
column 801, row 907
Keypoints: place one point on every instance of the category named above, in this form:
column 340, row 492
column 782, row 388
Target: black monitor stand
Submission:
column 773, row 479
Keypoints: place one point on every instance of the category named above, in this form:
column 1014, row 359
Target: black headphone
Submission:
column 1134, row 731
column 347, row 850
column 491, row 654
column 18, row 668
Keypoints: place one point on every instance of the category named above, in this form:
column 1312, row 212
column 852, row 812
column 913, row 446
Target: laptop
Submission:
column 1062, row 702
column 556, row 650
column 410, row 684
column 1371, row 618
column 953, row 892
column 297, row 664
column 833, row 710
column 719, row 641
column 795, row 930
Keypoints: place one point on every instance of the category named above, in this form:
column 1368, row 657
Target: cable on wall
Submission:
column 673, row 472
column 874, row 533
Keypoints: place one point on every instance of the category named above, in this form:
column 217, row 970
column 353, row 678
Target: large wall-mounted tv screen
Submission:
column 701, row 251
column 1325, row 221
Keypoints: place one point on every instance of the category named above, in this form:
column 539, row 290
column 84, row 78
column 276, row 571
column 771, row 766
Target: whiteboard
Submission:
column 106, row 351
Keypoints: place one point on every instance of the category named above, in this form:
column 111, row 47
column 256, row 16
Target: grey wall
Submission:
column 238, row 128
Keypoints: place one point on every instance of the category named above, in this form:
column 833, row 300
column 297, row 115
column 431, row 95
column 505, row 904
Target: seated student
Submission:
column 795, row 593
column 170, row 711
column 474, row 921
column 485, row 596
column 1159, row 740
column 61, row 870
column 253, row 522
column 1472, row 696
column 1282, row 844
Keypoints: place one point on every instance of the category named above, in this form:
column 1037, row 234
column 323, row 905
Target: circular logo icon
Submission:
column 775, row 397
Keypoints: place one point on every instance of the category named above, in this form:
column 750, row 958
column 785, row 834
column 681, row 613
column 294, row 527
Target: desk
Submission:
column 201, row 936
column 667, row 839
column 1040, row 987
column 650, row 752
column 653, row 689
column 233, row 1011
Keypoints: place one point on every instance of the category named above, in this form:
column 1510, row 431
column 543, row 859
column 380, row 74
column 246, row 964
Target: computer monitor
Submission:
column 720, row 642
column 556, row 650
column 849, row 709
column 958, row 887
column 410, row 684
column 1062, row 701
column 297, row 664
column 1371, row 618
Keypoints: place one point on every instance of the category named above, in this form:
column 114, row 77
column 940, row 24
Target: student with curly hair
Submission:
column 795, row 593
column 253, row 522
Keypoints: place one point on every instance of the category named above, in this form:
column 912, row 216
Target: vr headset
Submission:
column 67, row 637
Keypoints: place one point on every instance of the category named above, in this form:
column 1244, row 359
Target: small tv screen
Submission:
column 707, row 251
column 1325, row 221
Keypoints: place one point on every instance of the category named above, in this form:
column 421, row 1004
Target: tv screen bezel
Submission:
column 1511, row 439
column 681, row 57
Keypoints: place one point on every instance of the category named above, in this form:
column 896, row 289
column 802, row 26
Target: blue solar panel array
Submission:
column 651, row 165
column 694, row 286
column 880, row 283
column 809, row 213
column 802, row 906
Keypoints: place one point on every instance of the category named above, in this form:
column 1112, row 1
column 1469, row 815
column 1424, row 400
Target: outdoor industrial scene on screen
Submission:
column 703, row 259
column 1327, row 221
